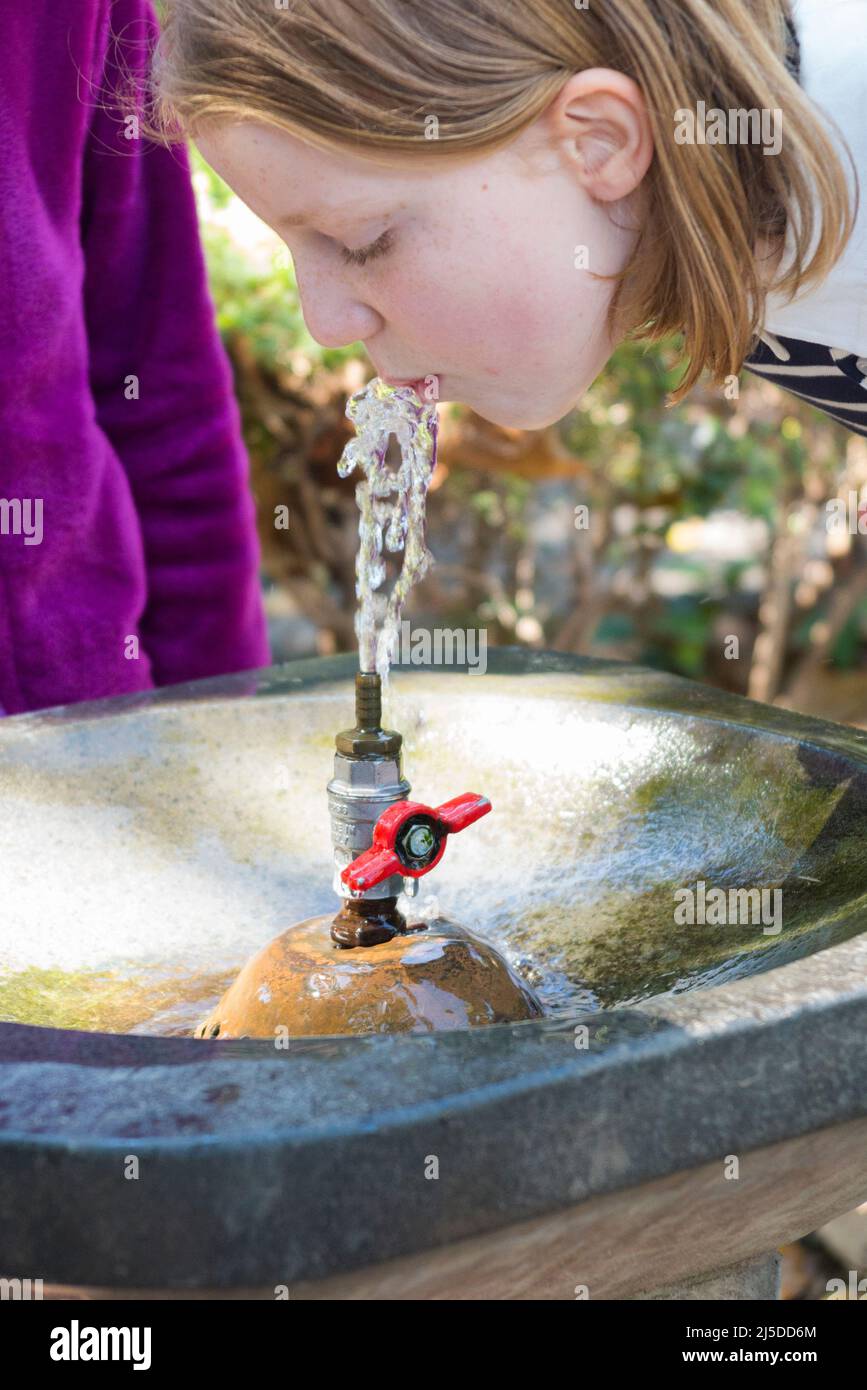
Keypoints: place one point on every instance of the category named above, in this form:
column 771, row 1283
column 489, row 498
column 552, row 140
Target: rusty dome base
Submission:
column 433, row 976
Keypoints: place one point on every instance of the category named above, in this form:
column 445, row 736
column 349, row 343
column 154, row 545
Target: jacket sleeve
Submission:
column 161, row 381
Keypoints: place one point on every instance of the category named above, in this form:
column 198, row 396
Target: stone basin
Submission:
column 696, row 1095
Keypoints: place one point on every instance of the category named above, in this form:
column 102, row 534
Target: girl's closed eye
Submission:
column 364, row 254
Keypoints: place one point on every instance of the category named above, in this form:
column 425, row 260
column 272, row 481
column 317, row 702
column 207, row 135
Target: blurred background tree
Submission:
column 691, row 538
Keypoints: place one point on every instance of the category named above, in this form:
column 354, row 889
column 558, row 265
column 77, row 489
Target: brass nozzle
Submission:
column 368, row 739
column 368, row 700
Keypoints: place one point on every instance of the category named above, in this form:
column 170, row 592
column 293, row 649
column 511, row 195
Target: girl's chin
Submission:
column 514, row 415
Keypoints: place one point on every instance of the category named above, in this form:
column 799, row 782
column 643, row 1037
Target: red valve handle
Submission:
column 382, row 859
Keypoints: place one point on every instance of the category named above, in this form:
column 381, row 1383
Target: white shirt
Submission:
column 833, row 40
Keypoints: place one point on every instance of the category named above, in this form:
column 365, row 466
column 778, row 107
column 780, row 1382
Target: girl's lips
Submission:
column 419, row 384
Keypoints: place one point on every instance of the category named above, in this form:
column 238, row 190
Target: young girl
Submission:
column 490, row 195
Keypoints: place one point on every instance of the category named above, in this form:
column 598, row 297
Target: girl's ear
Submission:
column 600, row 120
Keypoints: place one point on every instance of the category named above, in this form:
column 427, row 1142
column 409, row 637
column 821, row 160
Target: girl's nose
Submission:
column 332, row 311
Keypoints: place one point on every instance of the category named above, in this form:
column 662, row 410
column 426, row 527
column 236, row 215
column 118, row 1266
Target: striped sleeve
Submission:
column 833, row 380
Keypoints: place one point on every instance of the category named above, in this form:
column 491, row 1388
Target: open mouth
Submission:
column 419, row 384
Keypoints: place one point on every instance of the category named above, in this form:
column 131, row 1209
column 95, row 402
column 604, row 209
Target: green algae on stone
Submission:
column 623, row 944
column 99, row 1000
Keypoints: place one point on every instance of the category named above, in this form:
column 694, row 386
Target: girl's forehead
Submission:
column 249, row 143
column 263, row 150
column 292, row 183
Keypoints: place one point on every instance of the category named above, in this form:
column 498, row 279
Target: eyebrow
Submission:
column 298, row 218
column 361, row 206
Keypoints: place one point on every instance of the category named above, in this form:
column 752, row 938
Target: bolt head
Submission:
column 420, row 841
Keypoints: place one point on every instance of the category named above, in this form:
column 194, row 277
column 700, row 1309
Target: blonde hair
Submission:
column 365, row 74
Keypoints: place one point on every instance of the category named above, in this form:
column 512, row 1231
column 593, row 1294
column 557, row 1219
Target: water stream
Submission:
column 391, row 506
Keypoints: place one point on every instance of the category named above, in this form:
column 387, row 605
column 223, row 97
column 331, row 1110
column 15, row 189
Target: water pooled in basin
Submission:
column 391, row 506
column 147, row 855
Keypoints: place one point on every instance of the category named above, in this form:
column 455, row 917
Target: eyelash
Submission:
column 368, row 253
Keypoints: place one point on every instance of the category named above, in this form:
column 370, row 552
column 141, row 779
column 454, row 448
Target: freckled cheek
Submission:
column 463, row 307
column 430, row 310
column 529, row 289
column 403, row 292
column 522, row 320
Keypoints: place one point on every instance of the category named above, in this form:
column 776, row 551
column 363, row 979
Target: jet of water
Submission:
column 391, row 506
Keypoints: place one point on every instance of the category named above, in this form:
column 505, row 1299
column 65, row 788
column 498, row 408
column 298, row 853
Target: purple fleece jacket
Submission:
column 124, row 507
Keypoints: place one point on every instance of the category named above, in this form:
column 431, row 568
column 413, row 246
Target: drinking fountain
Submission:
column 415, row 976
column 693, row 1095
